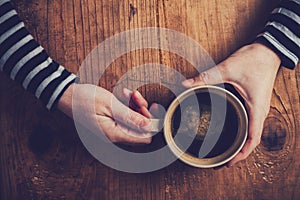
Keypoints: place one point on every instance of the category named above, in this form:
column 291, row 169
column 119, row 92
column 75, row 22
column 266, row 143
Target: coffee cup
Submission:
column 205, row 126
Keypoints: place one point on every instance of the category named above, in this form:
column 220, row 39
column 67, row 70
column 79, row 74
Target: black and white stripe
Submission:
column 26, row 62
column 282, row 32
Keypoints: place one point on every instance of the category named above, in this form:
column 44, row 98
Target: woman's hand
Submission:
column 252, row 71
column 139, row 104
column 100, row 109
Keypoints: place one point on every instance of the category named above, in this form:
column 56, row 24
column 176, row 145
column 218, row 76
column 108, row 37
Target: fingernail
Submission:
column 153, row 106
column 138, row 93
column 127, row 92
column 188, row 82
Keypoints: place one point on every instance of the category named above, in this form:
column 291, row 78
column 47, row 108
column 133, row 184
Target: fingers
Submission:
column 144, row 111
column 136, row 97
column 141, row 103
column 210, row 77
column 127, row 135
column 139, row 99
column 127, row 93
column 123, row 124
column 129, row 117
column 117, row 132
column 245, row 152
column 137, row 102
column 256, row 120
column 157, row 110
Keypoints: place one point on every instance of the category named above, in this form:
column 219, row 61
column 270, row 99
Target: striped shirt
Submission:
column 282, row 32
column 26, row 62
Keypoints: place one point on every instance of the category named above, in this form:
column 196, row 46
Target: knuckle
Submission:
column 204, row 77
column 136, row 121
column 229, row 73
column 225, row 68
column 139, row 121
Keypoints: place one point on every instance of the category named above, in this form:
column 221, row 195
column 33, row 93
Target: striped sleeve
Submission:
column 282, row 32
column 26, row 62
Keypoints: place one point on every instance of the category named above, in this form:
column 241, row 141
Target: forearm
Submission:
column 282, row 32
column 26, row 62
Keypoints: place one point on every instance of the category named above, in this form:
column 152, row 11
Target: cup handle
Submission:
column 157, row 125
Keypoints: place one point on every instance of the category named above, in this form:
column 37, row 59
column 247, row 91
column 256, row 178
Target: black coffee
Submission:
column 194, row 121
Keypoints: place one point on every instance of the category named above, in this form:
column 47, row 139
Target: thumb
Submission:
column 209, row 77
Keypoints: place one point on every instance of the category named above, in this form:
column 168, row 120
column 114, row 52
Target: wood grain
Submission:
column 41, row 156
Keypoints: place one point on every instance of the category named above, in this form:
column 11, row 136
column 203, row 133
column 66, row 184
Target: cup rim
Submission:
column 226, row 156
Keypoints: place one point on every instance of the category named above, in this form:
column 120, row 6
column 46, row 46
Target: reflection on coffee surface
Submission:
column 191, row 126
column 196, row 121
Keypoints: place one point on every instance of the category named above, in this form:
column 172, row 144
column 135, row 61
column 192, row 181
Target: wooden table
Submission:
column 41, row 155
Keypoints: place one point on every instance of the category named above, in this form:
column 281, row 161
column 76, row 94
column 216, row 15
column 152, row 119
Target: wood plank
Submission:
column 41, row 156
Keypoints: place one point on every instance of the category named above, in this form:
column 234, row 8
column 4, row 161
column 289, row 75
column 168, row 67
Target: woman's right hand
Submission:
column 102, row 110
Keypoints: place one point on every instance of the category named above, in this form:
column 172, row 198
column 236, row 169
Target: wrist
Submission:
column 267, row 54
column 64, row 104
